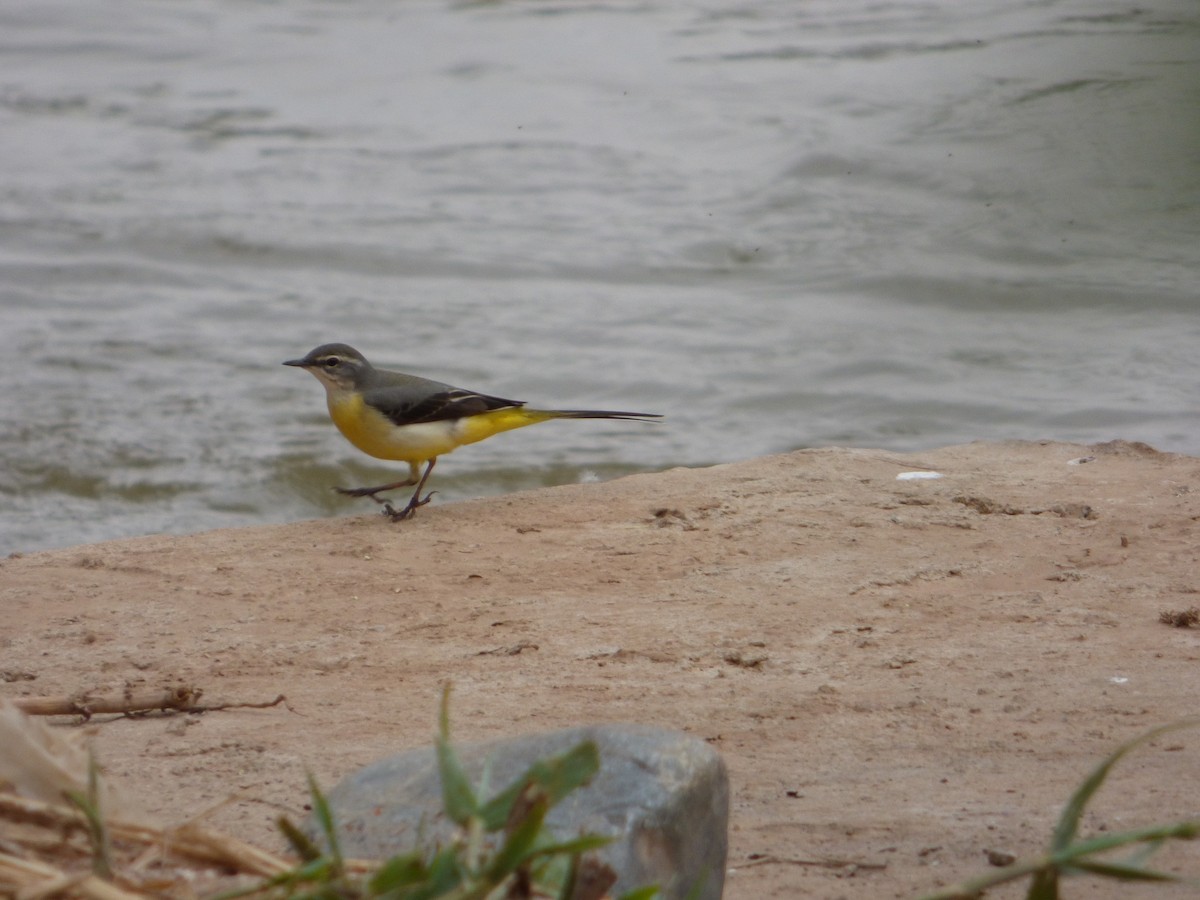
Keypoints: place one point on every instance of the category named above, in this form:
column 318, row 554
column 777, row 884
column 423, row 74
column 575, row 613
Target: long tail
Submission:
column 592, row 414
column 476, row 428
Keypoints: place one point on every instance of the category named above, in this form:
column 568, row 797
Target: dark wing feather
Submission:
column 411, row 408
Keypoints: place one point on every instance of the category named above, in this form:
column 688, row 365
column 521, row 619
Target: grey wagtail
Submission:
column 390, row 415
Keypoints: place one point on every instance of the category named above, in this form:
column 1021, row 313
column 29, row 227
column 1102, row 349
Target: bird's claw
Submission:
column 399, row 515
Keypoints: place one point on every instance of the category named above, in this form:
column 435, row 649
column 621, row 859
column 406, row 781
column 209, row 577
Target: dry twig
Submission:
column 181, row 698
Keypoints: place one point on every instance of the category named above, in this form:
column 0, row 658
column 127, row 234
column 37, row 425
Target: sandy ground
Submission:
column 901, row 675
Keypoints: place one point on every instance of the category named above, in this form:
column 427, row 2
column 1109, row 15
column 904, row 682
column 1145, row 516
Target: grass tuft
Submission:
column 1068, row 856
column 502, row 849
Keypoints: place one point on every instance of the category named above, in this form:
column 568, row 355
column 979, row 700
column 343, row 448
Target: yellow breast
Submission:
column 373, row 433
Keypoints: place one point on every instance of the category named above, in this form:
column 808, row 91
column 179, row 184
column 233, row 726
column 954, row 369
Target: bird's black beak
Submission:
column 298, row 362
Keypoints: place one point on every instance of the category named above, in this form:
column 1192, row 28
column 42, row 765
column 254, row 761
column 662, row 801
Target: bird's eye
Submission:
column 332, row 362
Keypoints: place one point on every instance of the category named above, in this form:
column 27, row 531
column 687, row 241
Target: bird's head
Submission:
column 337, row 366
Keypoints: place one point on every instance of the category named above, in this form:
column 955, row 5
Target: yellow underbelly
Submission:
column 374, row 434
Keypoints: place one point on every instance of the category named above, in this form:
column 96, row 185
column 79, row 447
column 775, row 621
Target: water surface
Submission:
column 896, row 225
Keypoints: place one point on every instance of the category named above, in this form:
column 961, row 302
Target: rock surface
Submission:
column 663, row 796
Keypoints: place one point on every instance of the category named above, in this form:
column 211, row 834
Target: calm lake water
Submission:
column 782, row 224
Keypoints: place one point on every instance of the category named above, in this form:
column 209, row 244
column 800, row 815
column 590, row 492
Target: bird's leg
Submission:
column 372, row 491
column 416, row 501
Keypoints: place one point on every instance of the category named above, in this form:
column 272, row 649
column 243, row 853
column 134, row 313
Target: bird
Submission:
column 394, row 416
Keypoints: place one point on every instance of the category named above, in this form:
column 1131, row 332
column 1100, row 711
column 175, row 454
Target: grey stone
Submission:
column 663, row 796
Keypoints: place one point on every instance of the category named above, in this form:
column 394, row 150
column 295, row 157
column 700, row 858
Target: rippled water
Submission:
column 784, row 224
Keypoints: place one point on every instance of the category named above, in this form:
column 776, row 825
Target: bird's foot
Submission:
column 399, row 515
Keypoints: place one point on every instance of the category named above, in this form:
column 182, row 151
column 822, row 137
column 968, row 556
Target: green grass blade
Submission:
column 650, row 892
column 324, row 817
column 445, row 874
column 88, row 803
column 560, row 775
column 1186, row 831
column 557, row 776
column 399, row 871
column 1045, row 869
column 575, row 846
column 1068, row 823
column 458, row 797
column 96, row 831
column 519, row 845
column 301, row 845
column 316, row 870
column 496, row 812
column 1122, row 871
column 1044, row 885
column 1144, row 853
